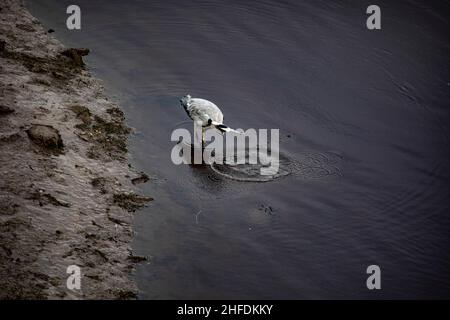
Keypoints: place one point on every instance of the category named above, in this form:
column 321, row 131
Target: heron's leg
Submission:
column 203, row 136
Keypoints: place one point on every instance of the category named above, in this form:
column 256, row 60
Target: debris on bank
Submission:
column 66, row 196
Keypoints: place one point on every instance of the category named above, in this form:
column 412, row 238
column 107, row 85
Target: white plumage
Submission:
column 206, row 112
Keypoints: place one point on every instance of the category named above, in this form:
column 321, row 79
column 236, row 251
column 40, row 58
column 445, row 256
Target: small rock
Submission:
column 50, row 31
column 100, row 183
column 143, row 178
column 25, row 27
column 83, row 113
column 46, row 136
column 130, row 202
column 46, row 198
column 76, row 55
column 137, row 259
column 4, row 110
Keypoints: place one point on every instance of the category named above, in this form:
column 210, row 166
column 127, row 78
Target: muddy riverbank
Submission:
column 67, row 193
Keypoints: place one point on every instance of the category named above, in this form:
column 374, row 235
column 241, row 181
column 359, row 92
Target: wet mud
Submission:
column 66, row 189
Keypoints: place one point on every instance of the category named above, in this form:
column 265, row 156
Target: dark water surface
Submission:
column 363, row 114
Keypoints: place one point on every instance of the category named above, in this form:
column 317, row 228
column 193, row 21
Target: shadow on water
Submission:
column 266, row 165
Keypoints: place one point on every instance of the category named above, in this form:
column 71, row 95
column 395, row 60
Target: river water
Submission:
column 364, row 135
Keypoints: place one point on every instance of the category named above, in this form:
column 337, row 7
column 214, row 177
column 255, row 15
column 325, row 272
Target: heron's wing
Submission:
column 203, row 110
column 198, row 115
column 206, row 109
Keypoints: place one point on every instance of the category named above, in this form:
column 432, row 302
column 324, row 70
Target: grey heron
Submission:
column 204, row 112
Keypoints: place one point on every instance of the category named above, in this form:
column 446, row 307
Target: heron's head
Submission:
column 185, row 101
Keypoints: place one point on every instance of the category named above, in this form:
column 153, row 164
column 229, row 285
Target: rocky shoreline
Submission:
column 67, row 193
